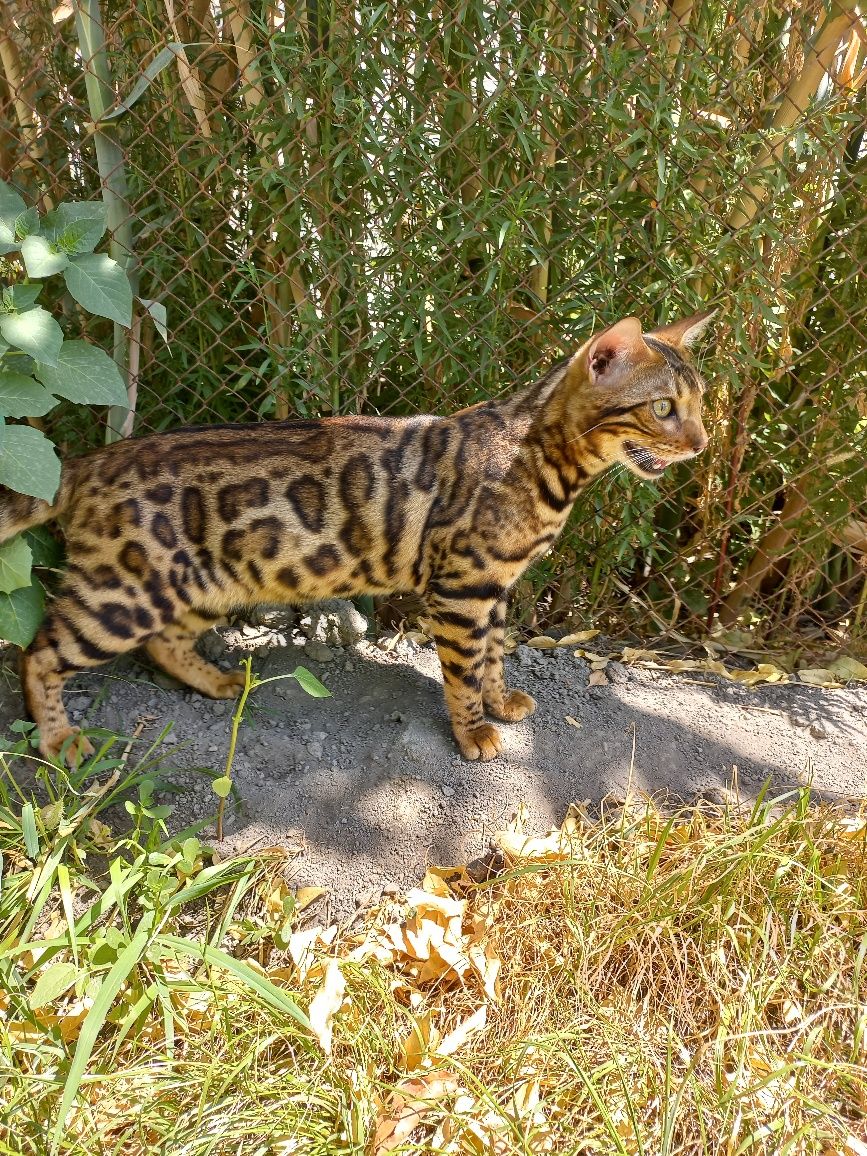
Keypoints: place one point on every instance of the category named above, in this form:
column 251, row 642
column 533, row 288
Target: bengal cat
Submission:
column 166, row 534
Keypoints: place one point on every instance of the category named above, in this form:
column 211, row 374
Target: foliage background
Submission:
column 409, row 207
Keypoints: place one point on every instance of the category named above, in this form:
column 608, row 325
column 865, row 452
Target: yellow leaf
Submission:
column 542, row 642
column 598, row 678
column 578, row 636
column 305, row 896
column 636, row 654
column 458, row 1036
column 764, row 672
column 326, row 1004
column 573, row 722
column 415, row 1046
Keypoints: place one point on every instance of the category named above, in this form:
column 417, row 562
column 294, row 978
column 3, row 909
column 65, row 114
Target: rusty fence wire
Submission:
column 394, row 208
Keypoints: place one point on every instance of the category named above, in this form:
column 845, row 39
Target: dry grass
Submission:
column 648, row 983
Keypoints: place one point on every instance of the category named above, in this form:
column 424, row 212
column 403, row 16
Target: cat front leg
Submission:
column 461, row 626
column 502, row 703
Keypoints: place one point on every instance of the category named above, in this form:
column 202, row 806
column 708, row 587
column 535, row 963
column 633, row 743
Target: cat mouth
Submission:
column 647, row 462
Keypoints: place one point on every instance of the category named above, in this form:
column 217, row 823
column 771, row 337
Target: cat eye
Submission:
column 662, row 407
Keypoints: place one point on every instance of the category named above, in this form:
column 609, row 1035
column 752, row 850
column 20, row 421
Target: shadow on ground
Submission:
column 367, row 786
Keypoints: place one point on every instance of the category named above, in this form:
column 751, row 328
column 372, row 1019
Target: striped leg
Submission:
column 461, row 629
column 64, row 645
column 502, row 703
column 174, row 650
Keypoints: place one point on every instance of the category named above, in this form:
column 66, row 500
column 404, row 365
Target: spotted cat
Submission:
column 166, row 534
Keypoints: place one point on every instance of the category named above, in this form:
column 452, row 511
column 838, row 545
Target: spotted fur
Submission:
column 166, row 534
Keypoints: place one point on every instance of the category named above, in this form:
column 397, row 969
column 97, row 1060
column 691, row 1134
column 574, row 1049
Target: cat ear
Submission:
column 615, row 351
column 685, row 332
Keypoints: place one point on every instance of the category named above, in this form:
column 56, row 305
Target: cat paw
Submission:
column 483, row 742
column 226, row 685
column 51, row 745
column 515, row 706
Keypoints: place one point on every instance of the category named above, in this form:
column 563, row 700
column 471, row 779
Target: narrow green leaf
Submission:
column 21, row 396
column 84, row 373
column 15, row 563
column 36, row 332
column 52, row 983
column 157, row 313
column 274, row 996
column 101, row 286
column 28, row 463
column 310, row 683
column 41, row 259
column 93, row 1022
column 21, row 613
column 162, row 60
column 28, row 827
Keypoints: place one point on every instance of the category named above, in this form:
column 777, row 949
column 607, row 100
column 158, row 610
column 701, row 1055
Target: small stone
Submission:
column 390, row 889
column 524, row 655
column 447, row 791
column 818, row 732
column 396, row 716
column 318, row 651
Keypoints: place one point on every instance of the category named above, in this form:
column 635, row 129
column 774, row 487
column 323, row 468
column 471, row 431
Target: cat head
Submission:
column 642, row 394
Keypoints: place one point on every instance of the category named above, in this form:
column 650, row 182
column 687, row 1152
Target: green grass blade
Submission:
column 274, row 996
column 94, row 1020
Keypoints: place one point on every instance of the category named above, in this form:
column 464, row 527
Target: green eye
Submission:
column 662, row 407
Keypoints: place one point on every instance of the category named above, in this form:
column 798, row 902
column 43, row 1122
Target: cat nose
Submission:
column 696, row 437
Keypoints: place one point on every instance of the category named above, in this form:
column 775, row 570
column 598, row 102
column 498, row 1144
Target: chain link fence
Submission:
column 397, row 208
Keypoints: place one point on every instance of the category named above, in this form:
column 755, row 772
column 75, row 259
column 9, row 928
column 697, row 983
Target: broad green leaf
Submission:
column 310, row 683
column 28, row 463
column 15, row 563
column 101, row 286
column 26, row 224
column 93, row 1022
column 44, row 547
column 21, row 613
column 11, row 208
column 222, row 786
column 40, row 257
column 36, row 332
column 157, row 312
column 76, row 226
column 52, row 983
column 24, row 297
column 21, row 396
column 84, row 373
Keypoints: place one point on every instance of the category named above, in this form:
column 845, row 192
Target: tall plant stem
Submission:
column 112, row 176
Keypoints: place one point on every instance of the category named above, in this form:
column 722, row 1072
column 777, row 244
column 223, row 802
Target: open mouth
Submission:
column 647, row 462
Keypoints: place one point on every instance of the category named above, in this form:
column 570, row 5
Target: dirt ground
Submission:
column 366, row 787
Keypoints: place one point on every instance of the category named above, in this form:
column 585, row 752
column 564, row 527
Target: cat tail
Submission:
column 19, row 512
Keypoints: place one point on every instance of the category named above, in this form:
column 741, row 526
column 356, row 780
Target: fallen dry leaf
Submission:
column 458, row 1036
column 578, row 636
column 407, row 1107
column 573, row 722
column 764, row 672
column 415, row 1045
column 848, row 668
column 305, row 896
column 542, row 642
column 326, row 1004
column 598, row 678
column 820, row 676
